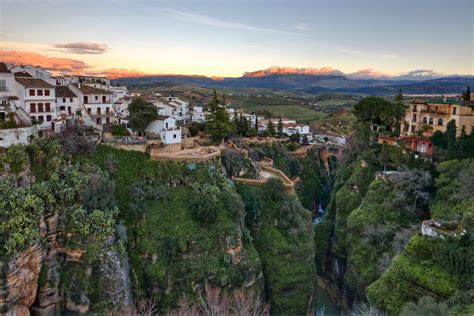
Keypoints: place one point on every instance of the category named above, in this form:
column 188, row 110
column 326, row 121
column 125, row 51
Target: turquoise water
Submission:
column 324, row 304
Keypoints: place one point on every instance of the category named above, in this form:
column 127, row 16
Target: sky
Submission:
column 365, row 38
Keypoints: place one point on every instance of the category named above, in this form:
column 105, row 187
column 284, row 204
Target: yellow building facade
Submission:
column 426, row 117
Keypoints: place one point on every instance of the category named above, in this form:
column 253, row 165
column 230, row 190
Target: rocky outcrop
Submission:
column 21, row 274
column 48, row 293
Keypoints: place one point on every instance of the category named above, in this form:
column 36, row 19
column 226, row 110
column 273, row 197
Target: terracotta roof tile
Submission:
column 33, row 83
column 91, row 90
column 64, row 92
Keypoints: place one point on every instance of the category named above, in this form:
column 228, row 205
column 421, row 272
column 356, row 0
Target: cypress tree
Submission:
column 467, row 96
column 270, row 127
column 280, row 126
column 399, row 96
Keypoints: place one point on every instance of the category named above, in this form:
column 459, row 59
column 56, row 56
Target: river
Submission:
column 324, row 305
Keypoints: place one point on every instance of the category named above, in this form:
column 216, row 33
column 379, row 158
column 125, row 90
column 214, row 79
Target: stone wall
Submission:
column 188, row 155
column 13, row 136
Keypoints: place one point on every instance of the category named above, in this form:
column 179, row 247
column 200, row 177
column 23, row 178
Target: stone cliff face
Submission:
column 34, row 280
column 20, row 281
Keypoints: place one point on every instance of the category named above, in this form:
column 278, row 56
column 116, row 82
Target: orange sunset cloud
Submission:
column 50, row 63
column 63, row 65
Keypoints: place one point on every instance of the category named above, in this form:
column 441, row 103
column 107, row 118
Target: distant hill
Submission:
column 308, row 83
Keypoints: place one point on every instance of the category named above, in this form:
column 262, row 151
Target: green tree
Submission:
column 141, row 114
column 305, row 140
column 295, row 137
column 384, row 156
column 252, row 132
column 280, row 127
column 450, row 137
column 380, row 111
column 399, row 97
column 467, row 96
column 438, row 139
column 270, row 128
column 119, row 130
column 218, row 125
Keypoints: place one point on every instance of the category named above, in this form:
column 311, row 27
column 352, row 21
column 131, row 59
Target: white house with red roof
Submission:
column 97, row 106
column 37, row 98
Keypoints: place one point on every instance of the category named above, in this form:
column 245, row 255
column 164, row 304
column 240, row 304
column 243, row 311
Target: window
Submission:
column 64, row 100
column 89, row 111
column 69, row 110
column 98, row 111
column 32, row 92
column 48, row 107
column 48, row 118
column 440, row 121
column 39, row 92
column 425, row 120
column 107, row 120
column 40, row 107
column 62, row 108
column 70, row 100
column 40, row 119
column 174, row 136
column 46, row 92
column 414, row 107
column 104, row 99
column 413, row 128
column 33, row 107
column 3, row 85
column 431, row 120
column 454, row 110
column 414, row 118
column 107, row 110
column 96, row 98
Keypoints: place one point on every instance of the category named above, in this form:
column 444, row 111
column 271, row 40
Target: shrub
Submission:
column 16, row 158
column 204, row 207
column 120, row 130
column 194, row 130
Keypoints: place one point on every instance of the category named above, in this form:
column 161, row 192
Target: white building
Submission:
column 166, row 129
column 38, row 99
column 175, row 107
column 35, row 72
column 97, row 103
column 196, row 114
column 67, row 103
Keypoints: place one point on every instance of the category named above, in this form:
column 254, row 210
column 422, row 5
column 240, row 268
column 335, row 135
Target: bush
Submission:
column 120, row 130
column 194, row 130
column 16, row 158
column 204, row 207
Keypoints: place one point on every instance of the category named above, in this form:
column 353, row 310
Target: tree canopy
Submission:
column 218, row 125
column 141, row 114
column 379, row 110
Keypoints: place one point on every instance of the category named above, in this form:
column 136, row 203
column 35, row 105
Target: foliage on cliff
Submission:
column 186, row 227
column 47, row 201
column 380, row 227
column 282, row 233
column 433, row 266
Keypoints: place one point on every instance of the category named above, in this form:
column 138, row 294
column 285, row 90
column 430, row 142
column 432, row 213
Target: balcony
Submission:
column 436, row 111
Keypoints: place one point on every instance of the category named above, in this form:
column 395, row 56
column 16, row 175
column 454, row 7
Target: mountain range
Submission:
column 313, row 81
